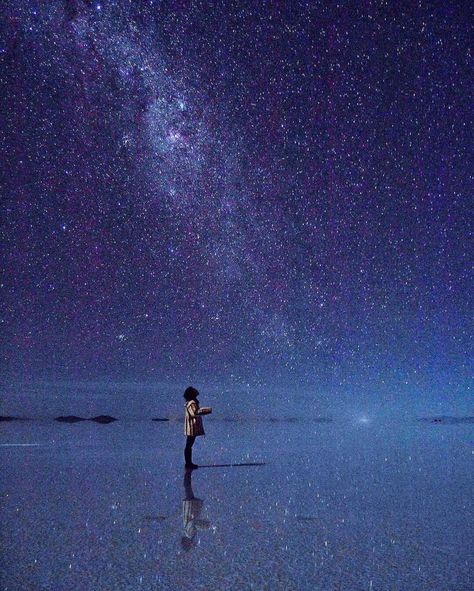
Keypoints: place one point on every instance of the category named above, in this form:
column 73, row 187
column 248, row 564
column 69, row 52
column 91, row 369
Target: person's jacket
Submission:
column 192, row 421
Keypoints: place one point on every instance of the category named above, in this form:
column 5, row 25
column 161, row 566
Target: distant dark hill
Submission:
column 13, row 418
column 160, row 419
column 73, row 419
column 103, row 419
column 445, row 420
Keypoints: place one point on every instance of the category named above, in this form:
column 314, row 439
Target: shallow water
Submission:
column 335, row 506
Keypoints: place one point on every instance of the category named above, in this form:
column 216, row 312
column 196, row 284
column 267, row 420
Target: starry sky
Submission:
column 261, row 193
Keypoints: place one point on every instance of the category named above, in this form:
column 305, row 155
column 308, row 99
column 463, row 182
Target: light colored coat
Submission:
column 192, row 421
column 191, row 511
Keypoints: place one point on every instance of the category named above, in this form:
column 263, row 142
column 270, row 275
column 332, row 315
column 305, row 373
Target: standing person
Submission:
column 192, row 508
column 193, row 426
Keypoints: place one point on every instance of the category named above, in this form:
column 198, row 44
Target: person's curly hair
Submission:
column 190, row 393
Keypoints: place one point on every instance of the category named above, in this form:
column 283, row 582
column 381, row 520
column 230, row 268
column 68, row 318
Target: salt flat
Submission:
column 342, row 505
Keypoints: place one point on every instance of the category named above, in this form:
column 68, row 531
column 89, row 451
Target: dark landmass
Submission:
column 160, row 419
column 103, row 419
column 74, row 419
column 69, row 419
column 444, row 420
column 2, row 418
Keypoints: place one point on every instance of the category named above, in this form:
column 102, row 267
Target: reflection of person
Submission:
column 192, row 508
column 193, row 426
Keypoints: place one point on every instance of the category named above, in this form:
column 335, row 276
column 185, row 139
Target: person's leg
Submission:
column 188, row 449
column 188, row 486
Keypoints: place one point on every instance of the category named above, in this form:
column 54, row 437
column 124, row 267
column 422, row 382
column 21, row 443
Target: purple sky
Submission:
column 238, row 192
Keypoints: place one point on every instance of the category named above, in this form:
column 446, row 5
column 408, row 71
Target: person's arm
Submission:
column 192, row 409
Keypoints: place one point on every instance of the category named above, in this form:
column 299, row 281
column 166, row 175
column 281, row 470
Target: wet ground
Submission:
column 356, row 506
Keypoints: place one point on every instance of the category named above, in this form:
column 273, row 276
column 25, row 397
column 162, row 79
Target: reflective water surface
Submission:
column 272, row 506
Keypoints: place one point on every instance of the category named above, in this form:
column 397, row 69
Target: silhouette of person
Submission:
column 193, row 426
column 192, row 508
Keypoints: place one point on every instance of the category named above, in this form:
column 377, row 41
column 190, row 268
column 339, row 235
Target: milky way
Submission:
column 238, row 191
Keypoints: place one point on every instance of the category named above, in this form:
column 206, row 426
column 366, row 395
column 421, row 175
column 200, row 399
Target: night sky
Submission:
column 271, row 194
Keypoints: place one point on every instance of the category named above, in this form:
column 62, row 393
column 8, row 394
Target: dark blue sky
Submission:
column 239, row 192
